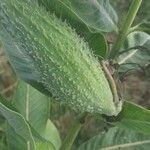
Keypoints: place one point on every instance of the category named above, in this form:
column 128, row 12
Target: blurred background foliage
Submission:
column 122, row 6
column 137, row 86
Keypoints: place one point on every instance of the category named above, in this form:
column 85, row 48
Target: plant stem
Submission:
column 71, row 136
column 125, row 28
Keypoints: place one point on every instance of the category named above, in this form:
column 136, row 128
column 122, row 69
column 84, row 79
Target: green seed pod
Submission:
column 47, row 52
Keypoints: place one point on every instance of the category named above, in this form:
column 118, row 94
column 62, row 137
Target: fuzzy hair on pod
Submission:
column 47, row 52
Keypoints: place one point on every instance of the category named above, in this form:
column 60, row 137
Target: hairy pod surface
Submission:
column 56, row 57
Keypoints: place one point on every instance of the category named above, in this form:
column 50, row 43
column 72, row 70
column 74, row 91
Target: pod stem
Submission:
column 111, row 82
column 125, row 28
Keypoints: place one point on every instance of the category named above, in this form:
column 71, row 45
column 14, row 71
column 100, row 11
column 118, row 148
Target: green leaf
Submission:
column 44, row 146
column 98, row 44
column 135, row 52
column 117, row 138
column 51, row 134
column 143, row 26
column 15, row 141
column 96, row 14
column 18, row 124
column 134, row 117
column 33, row 105
column 62, row 9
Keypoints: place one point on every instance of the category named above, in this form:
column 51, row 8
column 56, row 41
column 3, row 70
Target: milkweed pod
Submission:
column 47, row 52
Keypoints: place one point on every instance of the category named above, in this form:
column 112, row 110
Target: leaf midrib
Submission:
column 125, row 145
